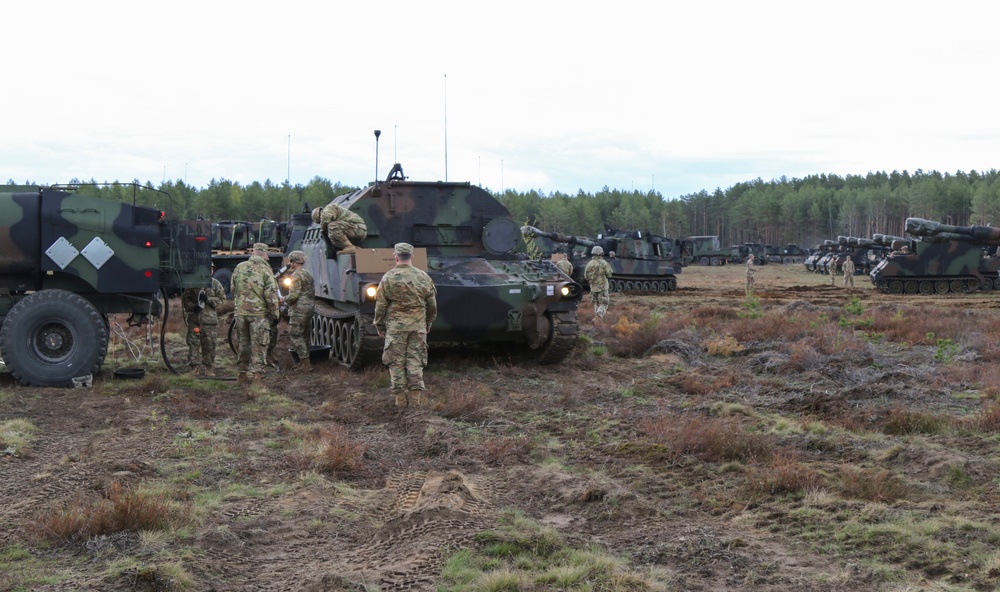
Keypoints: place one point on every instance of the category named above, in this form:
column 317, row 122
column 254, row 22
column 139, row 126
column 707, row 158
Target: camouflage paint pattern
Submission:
column 647, row 263
column 487, row 292
column 941, row 259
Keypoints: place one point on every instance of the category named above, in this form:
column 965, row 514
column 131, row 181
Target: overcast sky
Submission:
column 553, row 96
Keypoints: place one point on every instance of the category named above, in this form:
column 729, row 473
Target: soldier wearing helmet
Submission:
column 202, row 319
column 344, row 227
column 301, row 300
column 597, row 273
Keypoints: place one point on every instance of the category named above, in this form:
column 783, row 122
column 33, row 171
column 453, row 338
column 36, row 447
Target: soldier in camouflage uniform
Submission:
column 565, row 266
column 751, row 269
column 301, row 300
column 405, row 307
column 597, row 274
column 848, row 272
column 255, row 294
column 343, row 226
column 202, row 321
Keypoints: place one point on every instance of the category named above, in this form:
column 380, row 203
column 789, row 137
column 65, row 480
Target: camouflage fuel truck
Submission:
column 641, row 263
column 942, row 259
column 69, row 260
column 468, row 243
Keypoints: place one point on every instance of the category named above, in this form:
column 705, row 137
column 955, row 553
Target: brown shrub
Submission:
column 874, row 485
column 629, row 339
column 901, row 421
column 803, row 356
column 785, row 474
column 463, row 401
column 506, row 449
column 988, row 418
column 121, row 509
column 329, row 450
column 914, row 327
column 708, row 438
column 989, row 379
column 714, row 312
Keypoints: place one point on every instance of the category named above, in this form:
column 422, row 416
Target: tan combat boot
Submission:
column 416, row 397
column 209, row 371
column 400, row 399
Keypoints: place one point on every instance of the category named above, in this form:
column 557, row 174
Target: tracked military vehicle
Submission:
column 467, row 242
column 70, row 260
column 642, row 263
column 942, row 259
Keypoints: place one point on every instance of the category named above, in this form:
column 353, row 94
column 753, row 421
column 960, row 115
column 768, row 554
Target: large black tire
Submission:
column 51, row 337
column 225, row 277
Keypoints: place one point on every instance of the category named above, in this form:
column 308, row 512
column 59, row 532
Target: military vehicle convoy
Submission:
column 642, row 263
column 70, row 260
column 941, row 259
column 467, row 242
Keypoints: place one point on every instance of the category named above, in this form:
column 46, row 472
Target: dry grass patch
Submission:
column 121, row 508
column 463, row 401
column 329, row 450
column 708, row 438
column 873, row 485
column 784, row 474
column 901, row 421
column 914, row 327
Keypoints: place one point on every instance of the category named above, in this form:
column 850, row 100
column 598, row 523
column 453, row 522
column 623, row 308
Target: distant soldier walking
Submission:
column 405, row 308
column 848, row 272
column 202, row 321
column 751, row 269
column 344, row 227
column 255, row 294
column 597, row 273
column 301, row 301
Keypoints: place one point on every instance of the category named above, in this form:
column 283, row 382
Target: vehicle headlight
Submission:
column 371, row 291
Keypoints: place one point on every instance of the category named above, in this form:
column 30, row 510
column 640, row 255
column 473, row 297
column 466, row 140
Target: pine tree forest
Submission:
column 778, row 212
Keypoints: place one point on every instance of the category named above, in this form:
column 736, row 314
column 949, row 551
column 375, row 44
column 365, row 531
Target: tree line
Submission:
column 803, row 211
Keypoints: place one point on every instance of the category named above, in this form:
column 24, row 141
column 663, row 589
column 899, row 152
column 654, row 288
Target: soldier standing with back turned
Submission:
column 202, row 320
column 405, row 308
column 751, row 269
column 255, row 294
column 597, row 274
column 565, row 266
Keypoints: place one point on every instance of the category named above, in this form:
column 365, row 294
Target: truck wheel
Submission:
column 225, row 277
column 704, row 261
column 51, row 337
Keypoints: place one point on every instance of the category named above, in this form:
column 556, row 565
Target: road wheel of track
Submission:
column 896, row 287
column 996, row 283
column 957, row 286
column 941, row 287
column 911, row 287
column 671, row 284
column 646, row 286
column 629, row 287
column 51, row 337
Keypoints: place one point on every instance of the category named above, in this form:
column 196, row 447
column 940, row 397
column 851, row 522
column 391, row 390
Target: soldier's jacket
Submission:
column 255, row 292
column 848, row 267
column 208, row 315
column 302, row 294
column 751, row 268
column 565, row 266
column 406, row 300
column 597, row 273
column 333, row 212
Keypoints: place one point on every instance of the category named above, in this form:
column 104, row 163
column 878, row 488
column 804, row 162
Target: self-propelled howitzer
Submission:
column 467, row 242
column 641, row 262
column 944, row 258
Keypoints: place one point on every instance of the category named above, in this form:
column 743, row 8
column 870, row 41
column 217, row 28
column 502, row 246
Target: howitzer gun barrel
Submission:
column 557, row 237
column 923, row 228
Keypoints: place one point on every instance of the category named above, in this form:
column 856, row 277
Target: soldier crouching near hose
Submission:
column 202, row 319
column 301, row 301
column 405, row 308
column 344, row 227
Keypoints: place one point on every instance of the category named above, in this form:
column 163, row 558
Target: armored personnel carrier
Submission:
column 942, row 259
column 642, row 263
column 467, row 242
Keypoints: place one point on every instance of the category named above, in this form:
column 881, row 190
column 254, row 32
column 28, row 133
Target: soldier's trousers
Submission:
column 405, row 354
column 298, row 334
column 848, row 278
column 254, row 336
column 201, row 345
column 750, row 284
column 602, row 301
column 343, row 234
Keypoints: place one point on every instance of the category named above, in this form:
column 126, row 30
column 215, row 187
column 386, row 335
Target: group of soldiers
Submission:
column 405, row 308
column 848, row 269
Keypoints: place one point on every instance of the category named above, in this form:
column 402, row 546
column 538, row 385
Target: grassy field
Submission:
column 808, row 437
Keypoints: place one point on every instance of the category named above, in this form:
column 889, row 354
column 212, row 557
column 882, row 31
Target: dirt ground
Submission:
column 567, row 446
